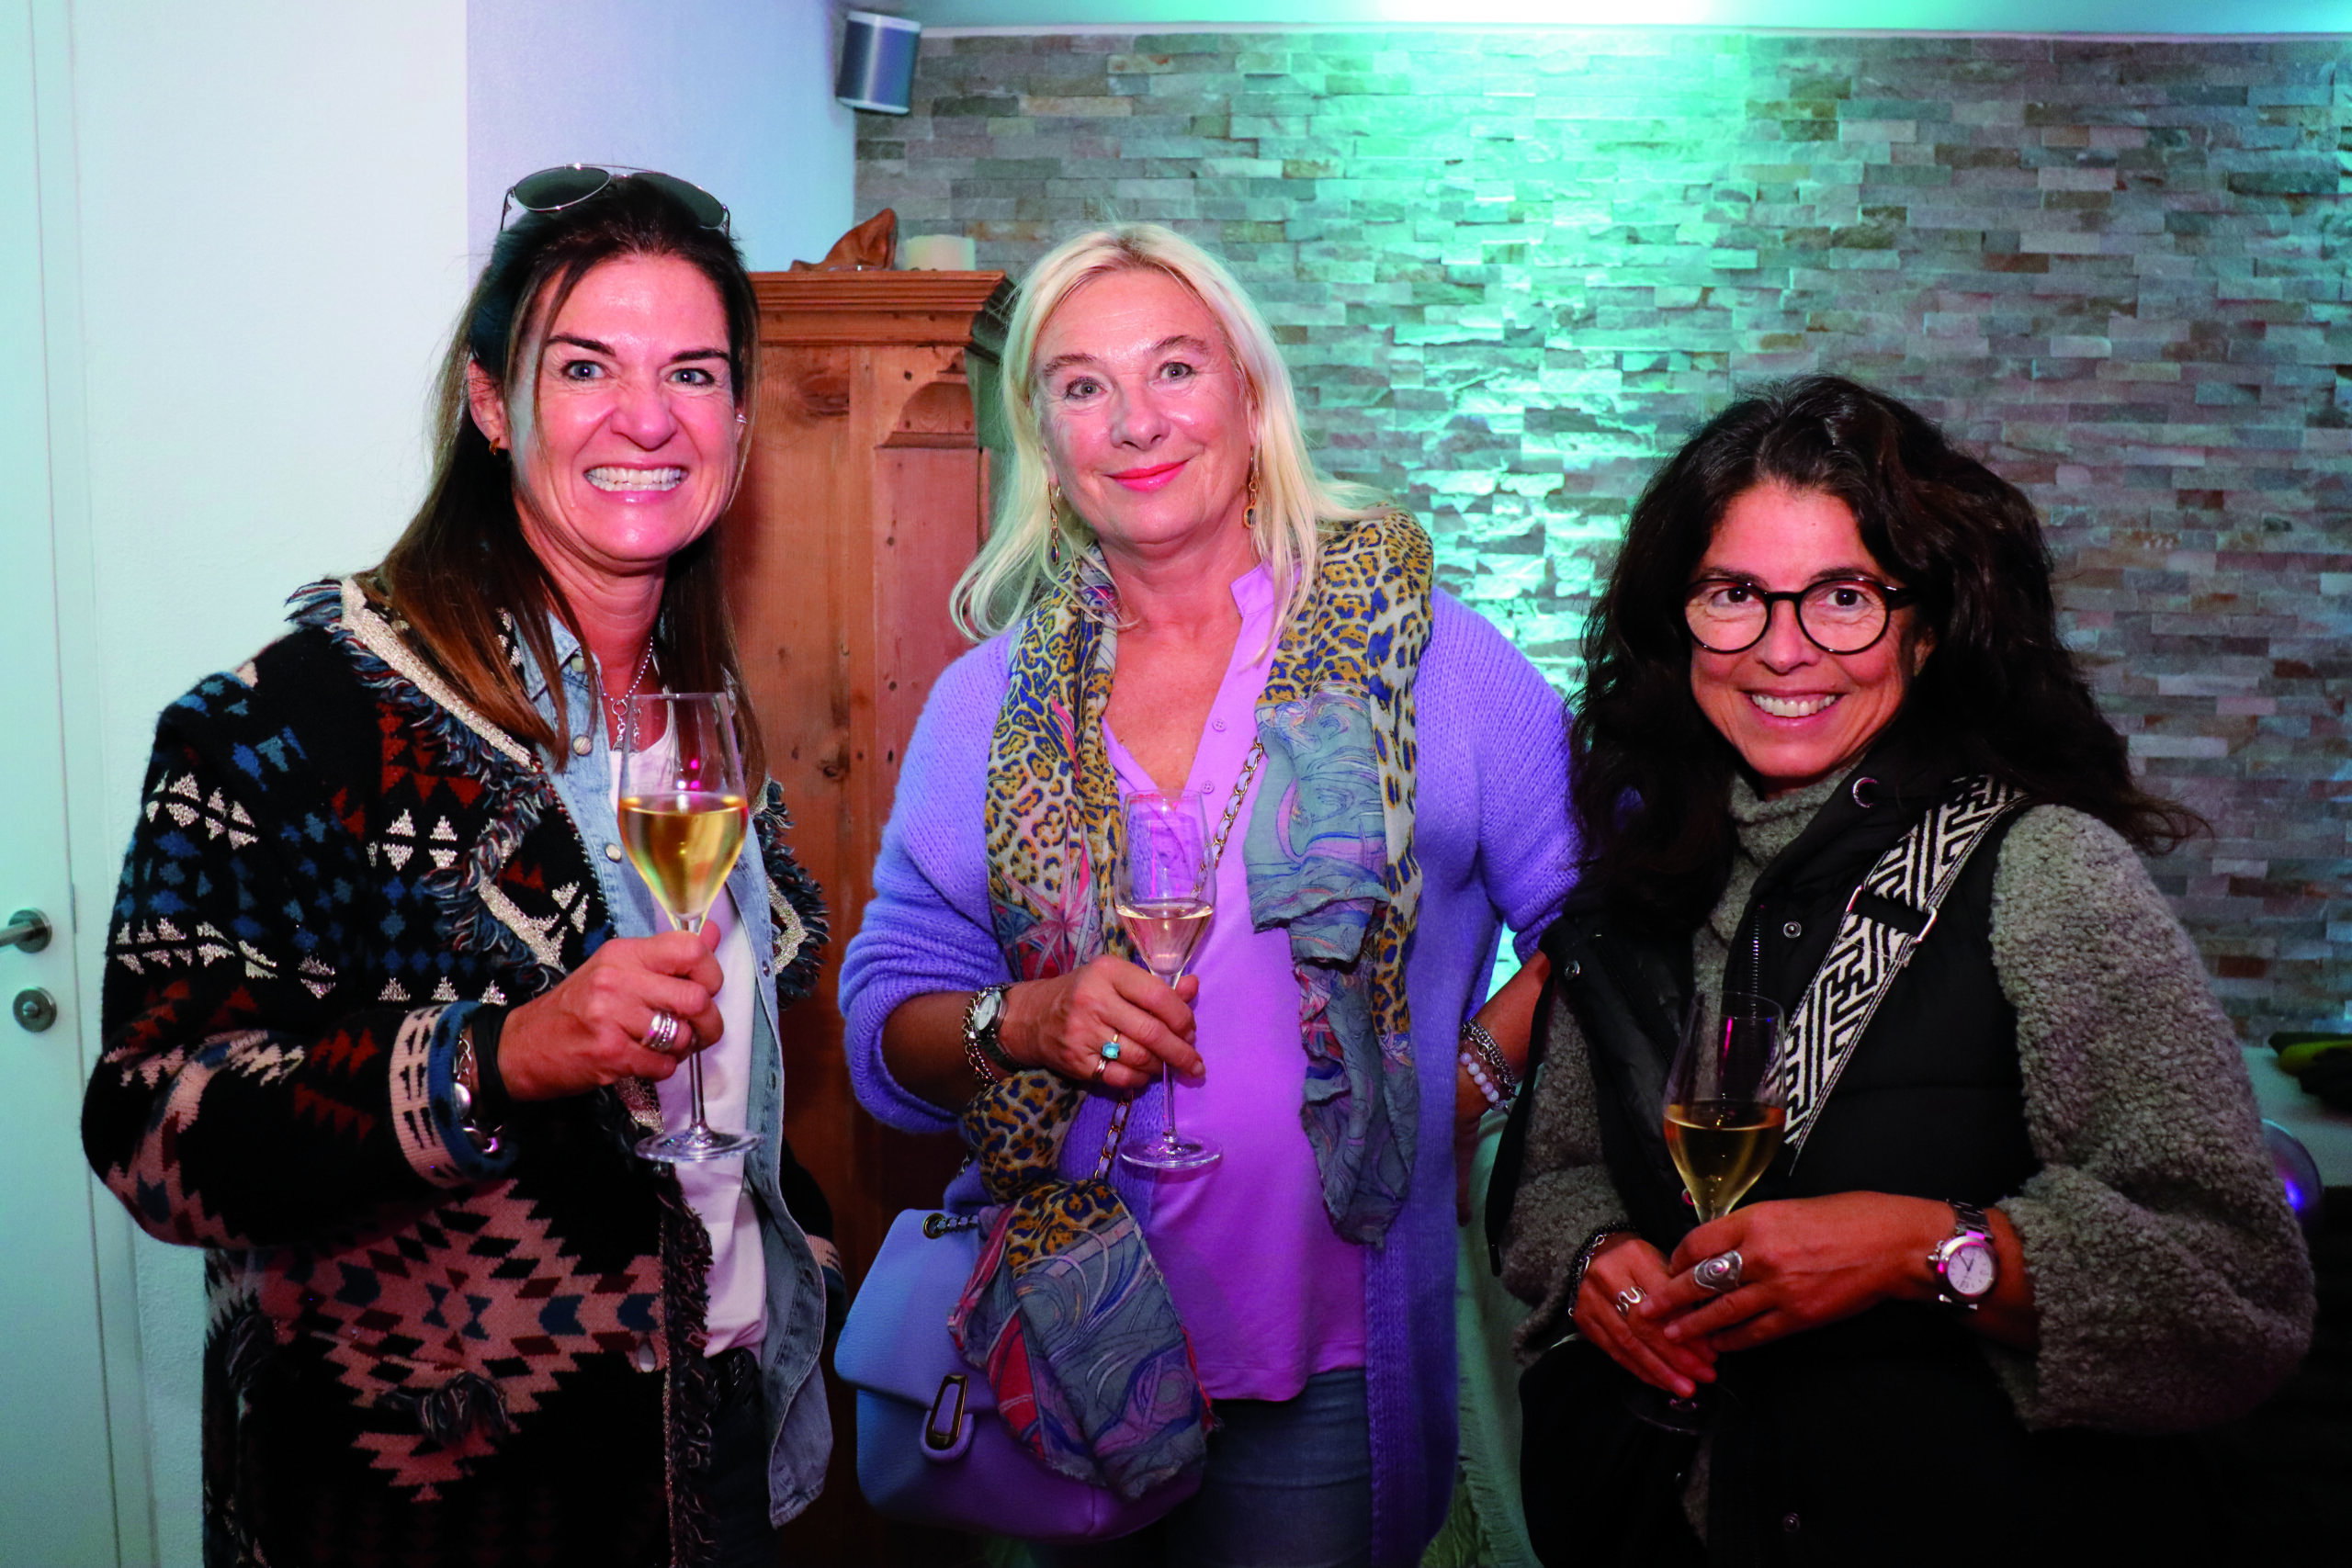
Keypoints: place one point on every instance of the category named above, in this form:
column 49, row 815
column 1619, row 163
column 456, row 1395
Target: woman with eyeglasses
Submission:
column 386, row 1013
column 2021, row 1233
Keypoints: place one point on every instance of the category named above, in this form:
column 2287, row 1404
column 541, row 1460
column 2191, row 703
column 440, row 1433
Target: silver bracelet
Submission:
column 1593, row 1244
column 464, row 1091
column 1484, row 1062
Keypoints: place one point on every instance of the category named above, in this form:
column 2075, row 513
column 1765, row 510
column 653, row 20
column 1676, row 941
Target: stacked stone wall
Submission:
column 1512, row 269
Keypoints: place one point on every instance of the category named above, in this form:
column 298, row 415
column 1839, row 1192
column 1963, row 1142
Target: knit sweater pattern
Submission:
column 2172, row 1289
column 412, row 1341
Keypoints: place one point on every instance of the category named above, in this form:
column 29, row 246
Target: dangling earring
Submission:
column 1250, row 516
column 1054, row 500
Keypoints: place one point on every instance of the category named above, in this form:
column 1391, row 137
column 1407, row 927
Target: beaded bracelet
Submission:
column 1487, row 1067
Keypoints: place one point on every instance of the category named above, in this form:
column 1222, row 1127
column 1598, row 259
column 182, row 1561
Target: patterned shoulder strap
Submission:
column 1888, row 915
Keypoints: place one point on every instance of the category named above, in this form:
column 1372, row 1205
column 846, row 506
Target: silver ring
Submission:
column 1719, row 1273
column 1110, row 1050
column 1628, row 1299
column 662, row 1032
column 1100, row 1062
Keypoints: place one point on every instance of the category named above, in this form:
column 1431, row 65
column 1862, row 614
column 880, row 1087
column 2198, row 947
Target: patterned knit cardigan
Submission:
column 414, row 1353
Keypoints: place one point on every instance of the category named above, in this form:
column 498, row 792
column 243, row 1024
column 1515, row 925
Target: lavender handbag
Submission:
column 930, row 1448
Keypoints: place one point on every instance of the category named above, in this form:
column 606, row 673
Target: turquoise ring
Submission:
column 1110, row 1049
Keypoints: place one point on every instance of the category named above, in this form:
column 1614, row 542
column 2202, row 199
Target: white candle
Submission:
column 938, row 253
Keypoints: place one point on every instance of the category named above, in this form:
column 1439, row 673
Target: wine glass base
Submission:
column 1171, row 1153
column 695, row 1146
column 1669, row 1413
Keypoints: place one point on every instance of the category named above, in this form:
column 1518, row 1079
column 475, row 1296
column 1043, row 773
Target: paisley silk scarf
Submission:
column 1332, row 860
column 1066, row 1310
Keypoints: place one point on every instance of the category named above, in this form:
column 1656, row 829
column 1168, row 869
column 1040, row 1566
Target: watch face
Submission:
column 1968, row 1268
column 984, row 1011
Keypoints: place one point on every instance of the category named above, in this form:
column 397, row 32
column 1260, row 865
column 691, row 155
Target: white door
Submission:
column 57, row 1493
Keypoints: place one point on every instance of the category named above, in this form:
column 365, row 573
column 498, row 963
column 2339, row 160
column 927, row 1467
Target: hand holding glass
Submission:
column 1726, row 1109
column 683, row 816
column 1166, row 896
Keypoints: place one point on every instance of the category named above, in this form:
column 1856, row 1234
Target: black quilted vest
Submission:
column 1885, row 1438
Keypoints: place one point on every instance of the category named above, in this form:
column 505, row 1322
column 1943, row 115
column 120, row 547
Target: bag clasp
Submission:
column 947, row 1429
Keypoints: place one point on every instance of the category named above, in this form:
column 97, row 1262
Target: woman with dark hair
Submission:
column 386, row 1014
column 2022, row 1232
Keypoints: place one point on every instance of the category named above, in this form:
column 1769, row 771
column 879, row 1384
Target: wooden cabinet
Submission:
column 866, row 497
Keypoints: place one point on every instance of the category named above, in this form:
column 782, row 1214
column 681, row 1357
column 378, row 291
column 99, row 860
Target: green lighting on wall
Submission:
column 2142, row 17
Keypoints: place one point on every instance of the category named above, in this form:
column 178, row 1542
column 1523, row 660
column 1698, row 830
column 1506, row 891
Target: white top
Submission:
column 738, row 1311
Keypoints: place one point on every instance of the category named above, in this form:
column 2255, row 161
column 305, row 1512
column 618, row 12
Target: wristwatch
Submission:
column 983, row 1022
column 1963, row 1262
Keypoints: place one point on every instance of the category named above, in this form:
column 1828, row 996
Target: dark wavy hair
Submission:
column 463, row 559
column 1652, row 777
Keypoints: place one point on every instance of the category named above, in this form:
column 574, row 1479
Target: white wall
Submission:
column 272, row 234
column 735, row 96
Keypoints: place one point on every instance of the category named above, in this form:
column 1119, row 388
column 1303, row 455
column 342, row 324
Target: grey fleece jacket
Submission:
column 2172, row 1288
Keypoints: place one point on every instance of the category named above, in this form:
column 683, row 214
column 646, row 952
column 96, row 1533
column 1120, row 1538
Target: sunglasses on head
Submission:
column 569, row 184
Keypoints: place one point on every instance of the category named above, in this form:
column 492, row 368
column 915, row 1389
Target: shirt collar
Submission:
column 567, row 651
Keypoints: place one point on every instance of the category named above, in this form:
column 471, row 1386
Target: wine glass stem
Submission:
column 693, row 1059
column 1169, row 1140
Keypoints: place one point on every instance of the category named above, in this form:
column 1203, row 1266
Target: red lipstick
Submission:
column 1149, row 478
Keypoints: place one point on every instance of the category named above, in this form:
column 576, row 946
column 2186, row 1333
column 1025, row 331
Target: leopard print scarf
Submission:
column 1329, row 849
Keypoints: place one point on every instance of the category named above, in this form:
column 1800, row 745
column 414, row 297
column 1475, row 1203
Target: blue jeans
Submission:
column 1288, row 1484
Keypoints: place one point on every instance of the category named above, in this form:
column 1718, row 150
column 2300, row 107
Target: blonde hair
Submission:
column 1031, row 550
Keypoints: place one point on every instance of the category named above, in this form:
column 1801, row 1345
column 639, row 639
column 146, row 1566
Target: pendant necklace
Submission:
column 619, row 705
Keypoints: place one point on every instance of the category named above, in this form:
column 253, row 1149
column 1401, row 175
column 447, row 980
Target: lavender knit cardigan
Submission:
column 1494, row 839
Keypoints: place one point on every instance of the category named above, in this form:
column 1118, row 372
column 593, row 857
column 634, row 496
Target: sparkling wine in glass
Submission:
column 1726, row 1111
column 683, row 816
column 1167, row 894
column 1725, row 1104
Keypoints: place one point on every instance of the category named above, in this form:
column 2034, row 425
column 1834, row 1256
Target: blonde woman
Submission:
column 1174, row 599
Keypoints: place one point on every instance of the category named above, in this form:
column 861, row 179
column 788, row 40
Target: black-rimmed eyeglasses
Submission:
column 1843, row 614
column 569, row 184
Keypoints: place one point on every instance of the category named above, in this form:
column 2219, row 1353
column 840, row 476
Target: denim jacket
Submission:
column 801, row 1437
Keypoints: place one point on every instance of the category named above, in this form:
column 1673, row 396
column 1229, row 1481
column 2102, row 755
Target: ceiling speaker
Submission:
column 878, row 62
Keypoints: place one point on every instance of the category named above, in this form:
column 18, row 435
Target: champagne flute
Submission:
column 683, row 816
column 1165, row 895
column 1726, row 1108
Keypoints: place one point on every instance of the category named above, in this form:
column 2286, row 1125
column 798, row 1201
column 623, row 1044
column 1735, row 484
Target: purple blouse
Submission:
column 1269, row 1294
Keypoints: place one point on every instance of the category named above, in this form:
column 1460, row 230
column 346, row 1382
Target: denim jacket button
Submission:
column 612, row 852
column 581, row 746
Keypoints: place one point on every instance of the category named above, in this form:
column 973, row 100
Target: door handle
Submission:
column 27, row 928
